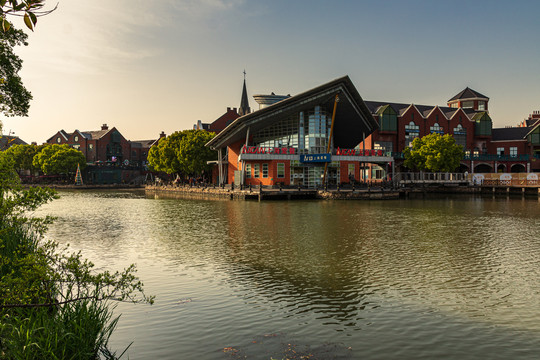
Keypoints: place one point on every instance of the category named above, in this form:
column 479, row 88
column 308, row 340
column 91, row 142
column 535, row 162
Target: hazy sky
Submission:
column 161, row 65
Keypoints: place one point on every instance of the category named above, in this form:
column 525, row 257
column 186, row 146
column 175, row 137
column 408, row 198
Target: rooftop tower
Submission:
column 244, row 103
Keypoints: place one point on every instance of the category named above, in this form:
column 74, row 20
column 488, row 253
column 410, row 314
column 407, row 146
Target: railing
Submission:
column 497, row 157
column 486, row 157
column 423, row 177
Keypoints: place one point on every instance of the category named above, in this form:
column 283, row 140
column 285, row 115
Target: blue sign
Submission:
column 316, row 158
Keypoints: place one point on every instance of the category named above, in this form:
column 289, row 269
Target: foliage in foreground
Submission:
column 434, row 153
column 53, row 305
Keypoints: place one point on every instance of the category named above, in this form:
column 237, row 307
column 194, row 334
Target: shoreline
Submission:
column 375, row 193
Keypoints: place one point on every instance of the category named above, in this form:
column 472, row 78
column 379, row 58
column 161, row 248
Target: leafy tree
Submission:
column 59, row 159
column 183, row 152
column 14, row 98
column 434, row 153
column 30, row 10
column 23, row 156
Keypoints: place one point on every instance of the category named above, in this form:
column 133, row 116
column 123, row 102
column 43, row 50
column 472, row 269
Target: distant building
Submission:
column 7, row 141
column 110, row 156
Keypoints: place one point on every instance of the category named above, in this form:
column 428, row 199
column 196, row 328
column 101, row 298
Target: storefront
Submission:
column 293, row 141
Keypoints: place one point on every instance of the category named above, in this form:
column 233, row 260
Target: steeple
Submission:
column 244, row 104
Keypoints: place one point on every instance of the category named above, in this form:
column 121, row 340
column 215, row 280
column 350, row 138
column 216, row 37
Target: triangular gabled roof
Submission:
column 353, row 118
column 64, row 134
column 468, row 93
column 532, row 127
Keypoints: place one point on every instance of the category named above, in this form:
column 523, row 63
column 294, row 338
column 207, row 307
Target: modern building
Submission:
column 287, row 142
column 290, row 139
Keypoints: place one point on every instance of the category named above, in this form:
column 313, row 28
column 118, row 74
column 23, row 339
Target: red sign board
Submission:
column 268, row 150
column 359, row 152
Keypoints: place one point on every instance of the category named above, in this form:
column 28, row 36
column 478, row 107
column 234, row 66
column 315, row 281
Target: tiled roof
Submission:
column 7, row 141
column 468, row 93
column 143, row 143
column 94, row 135
column 510, row 133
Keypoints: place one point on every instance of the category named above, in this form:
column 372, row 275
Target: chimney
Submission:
column 228, row 109
column 104, row 127
column 162, row 135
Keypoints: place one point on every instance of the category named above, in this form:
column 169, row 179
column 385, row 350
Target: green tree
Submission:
column 14, row 98
column 59, row 159
column 434, row 153
column 29, row 10
column 23, row 156
column 183, row 152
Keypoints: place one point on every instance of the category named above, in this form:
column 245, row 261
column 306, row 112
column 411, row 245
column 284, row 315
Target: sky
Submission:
column 150, row 66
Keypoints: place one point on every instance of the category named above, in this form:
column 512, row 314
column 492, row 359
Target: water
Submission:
column 454, row 278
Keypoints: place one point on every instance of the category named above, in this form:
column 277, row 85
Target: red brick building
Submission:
column 110, row 156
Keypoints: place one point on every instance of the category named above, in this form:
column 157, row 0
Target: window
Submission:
column 351, row 171
column 436, row 128
column 467, row 104
column 460, row 135
column 500, row 151
column 513, row 151
column 481, row 105
column 58, row 140
column 265, row 170
column 77, row 146
column 90, row 146
column 412, row 131
column 248, row 171
column 280, row 170
column 256, row 168
column 385, row 146
column 76, row 138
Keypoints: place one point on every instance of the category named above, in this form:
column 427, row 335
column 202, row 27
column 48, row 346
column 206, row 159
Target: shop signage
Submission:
column 315, row 158
column 268, row 150
column 359, row 152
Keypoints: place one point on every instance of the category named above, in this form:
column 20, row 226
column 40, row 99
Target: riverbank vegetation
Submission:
column 53, row 304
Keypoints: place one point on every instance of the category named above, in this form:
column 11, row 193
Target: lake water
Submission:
column 453, row 278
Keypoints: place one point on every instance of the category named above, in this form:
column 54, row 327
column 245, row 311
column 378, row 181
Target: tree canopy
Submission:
column 183, row 152
column 434, row 153
column 23, row 156
column 14, row 97
column 59, row 159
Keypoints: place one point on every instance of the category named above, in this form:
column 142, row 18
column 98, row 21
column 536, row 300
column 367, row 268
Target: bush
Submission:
column 52, row 304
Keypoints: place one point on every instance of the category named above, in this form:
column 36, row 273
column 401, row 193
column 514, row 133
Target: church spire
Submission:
column 244, row 104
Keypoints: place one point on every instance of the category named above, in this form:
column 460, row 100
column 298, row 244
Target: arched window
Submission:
column 412, row 131
column 460, row 135
column 436, row 128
